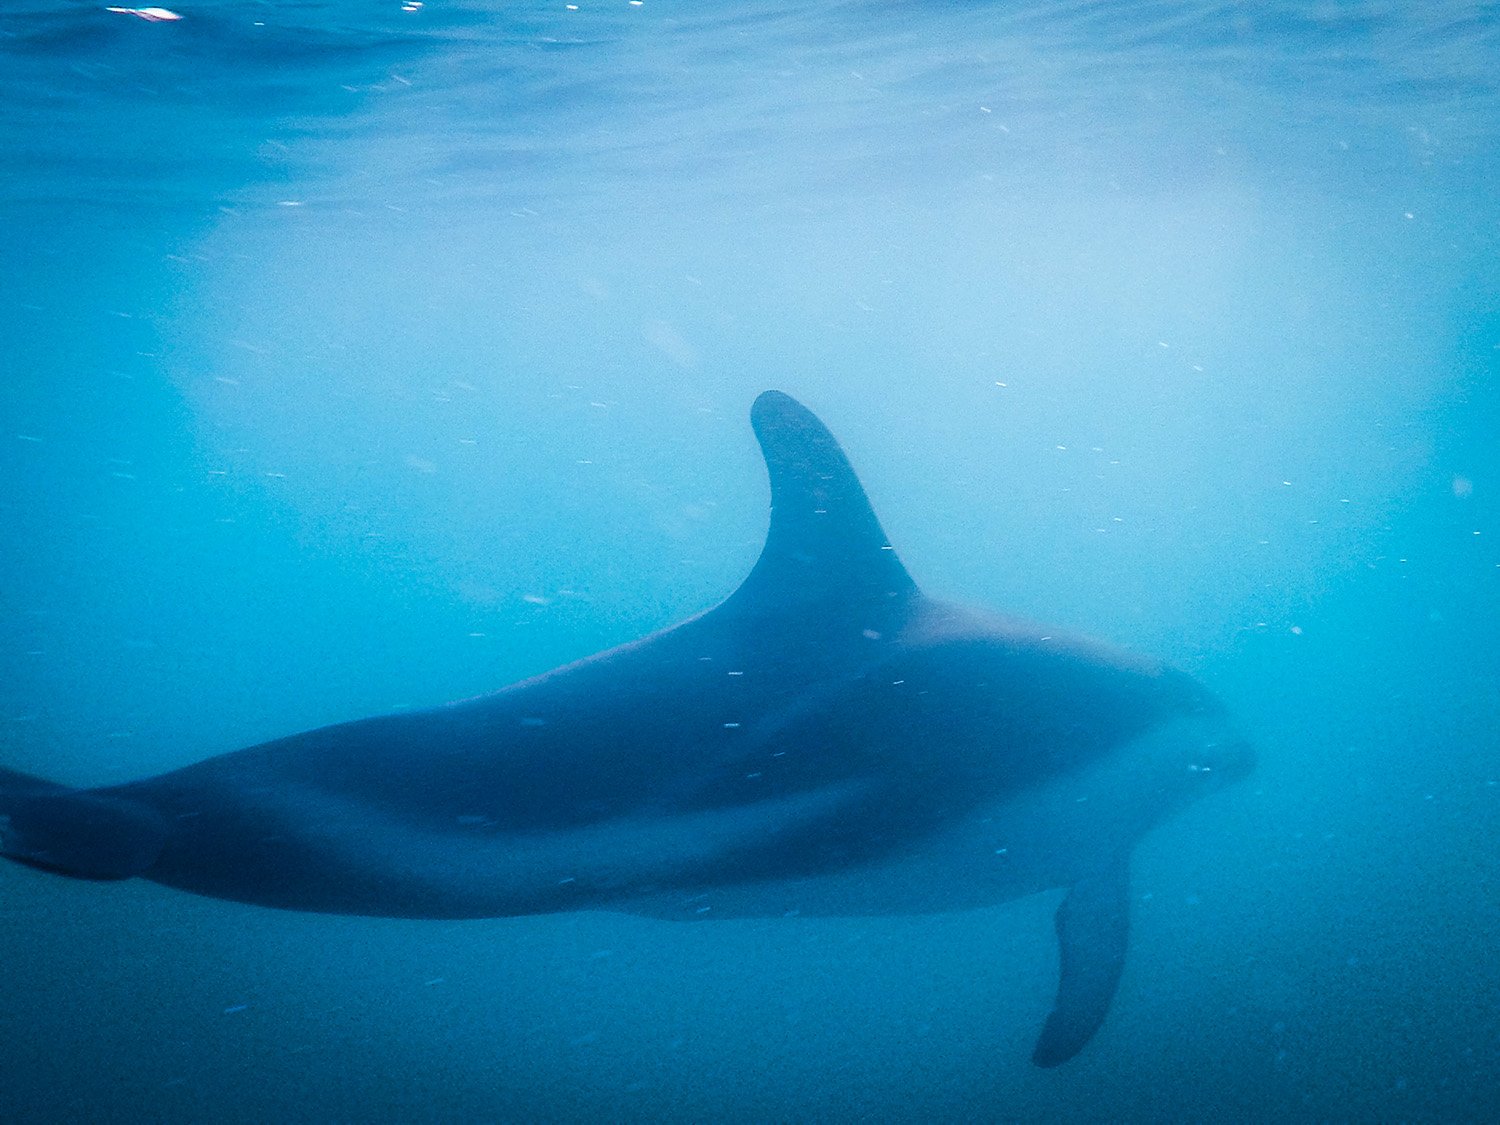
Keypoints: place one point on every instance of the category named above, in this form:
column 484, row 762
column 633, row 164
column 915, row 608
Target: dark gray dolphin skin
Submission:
column 827, row 741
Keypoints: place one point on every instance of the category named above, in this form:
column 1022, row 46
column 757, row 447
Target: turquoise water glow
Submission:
column 357, row 356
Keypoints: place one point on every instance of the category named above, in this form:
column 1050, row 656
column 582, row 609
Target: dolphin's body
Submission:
column 828, row 741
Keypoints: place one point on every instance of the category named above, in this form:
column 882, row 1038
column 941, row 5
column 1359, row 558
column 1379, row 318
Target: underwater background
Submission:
column 356, row 356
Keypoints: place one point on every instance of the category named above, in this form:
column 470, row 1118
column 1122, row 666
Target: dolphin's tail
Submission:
column 85, row 833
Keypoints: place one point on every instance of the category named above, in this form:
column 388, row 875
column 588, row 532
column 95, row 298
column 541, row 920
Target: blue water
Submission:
column 355, row 358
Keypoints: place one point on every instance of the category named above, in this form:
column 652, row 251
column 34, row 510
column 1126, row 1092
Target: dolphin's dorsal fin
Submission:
column 825, row 547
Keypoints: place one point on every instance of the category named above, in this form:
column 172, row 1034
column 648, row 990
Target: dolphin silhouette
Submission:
column 827, row 741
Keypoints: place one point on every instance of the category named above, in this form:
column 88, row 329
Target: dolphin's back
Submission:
column 613, row 733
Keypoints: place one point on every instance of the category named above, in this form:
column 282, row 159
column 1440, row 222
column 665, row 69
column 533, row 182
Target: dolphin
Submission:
column 826, row 741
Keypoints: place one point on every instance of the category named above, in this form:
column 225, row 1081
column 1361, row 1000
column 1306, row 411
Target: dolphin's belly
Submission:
column 807, row 853
column 309, row 850
column 321, row 857
column 1045, row 835
column 988, row 858
column 919, row 884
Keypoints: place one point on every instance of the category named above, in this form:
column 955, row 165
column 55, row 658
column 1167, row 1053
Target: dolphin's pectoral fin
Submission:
column 1093, row 926
column 85, row 834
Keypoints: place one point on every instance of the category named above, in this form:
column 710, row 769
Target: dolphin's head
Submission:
column 1061, row 705
column 1196, row 747
column 1218, row 749
column 1214, row 754
column 1162, row 769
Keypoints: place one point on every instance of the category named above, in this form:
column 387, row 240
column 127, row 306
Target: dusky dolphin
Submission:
column 827, row 741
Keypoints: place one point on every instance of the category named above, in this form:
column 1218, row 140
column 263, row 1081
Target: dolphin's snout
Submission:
column 1225, row 759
